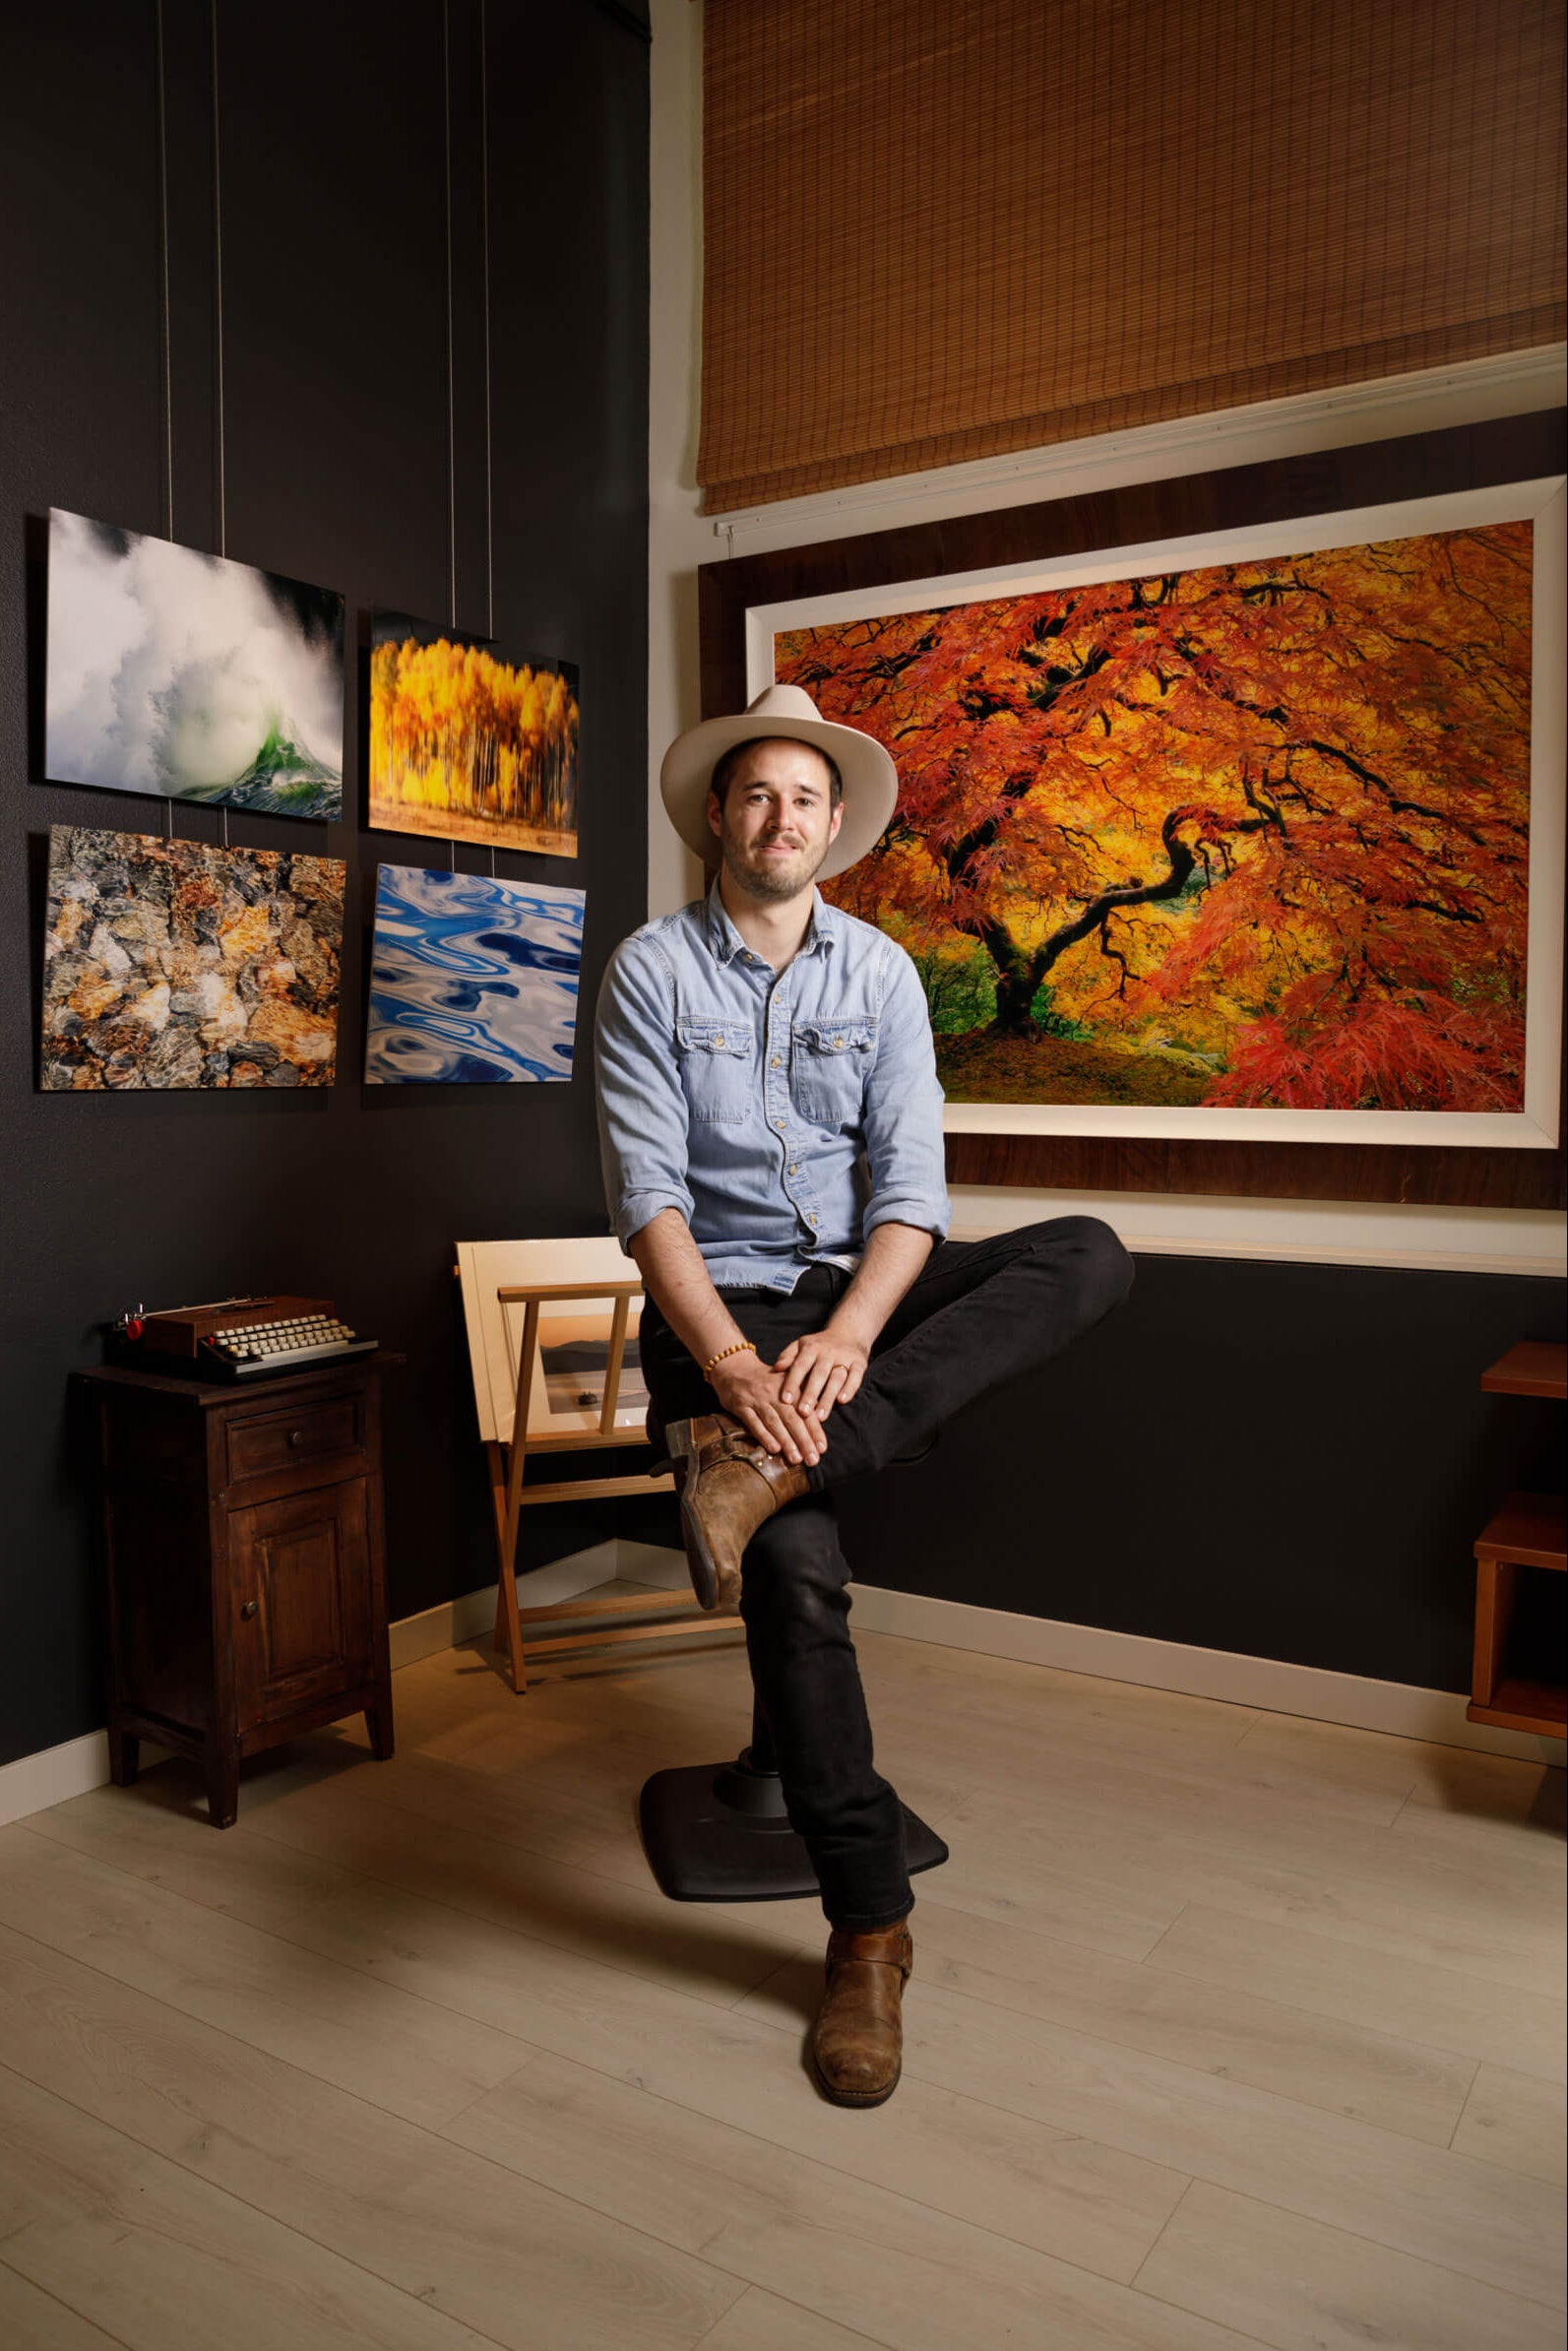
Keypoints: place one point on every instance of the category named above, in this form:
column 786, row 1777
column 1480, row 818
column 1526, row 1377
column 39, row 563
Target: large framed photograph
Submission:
column 1229, row 841
column 1259, row 829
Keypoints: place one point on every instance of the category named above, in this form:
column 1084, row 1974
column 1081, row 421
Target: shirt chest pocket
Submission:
column 829, row 1063
column 716, row 1068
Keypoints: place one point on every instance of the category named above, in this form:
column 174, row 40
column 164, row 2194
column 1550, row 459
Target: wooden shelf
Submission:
column 1522, row 1705
column 1534, row 1368
column 1514, row 1617
column 1530, row 1529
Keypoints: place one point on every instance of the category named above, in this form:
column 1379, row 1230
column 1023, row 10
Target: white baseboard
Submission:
column 35, row 1782
column 1267, row 1682
column 452, row 1621
column 652, row 1563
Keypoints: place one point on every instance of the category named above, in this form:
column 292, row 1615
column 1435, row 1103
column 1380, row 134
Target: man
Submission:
column 772, row 1130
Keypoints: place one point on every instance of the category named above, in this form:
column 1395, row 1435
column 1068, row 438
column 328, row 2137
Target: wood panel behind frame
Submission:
column 1319, row 482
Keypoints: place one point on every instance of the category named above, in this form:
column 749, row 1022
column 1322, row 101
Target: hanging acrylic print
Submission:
column 1266, row 843
column 190, row 675
column 181, row 963
column 472, row 981
column 468, row 745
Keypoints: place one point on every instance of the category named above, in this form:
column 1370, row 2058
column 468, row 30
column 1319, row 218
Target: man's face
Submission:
column 777, row 821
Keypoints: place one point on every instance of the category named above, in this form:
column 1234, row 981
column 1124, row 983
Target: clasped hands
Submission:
column 785, row 1404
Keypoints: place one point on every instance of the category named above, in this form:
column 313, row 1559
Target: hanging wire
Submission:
column 162, row 206
column 484, row 216
column 451, row 411
column 485, row 233
column 218, row 298
column 452, row 425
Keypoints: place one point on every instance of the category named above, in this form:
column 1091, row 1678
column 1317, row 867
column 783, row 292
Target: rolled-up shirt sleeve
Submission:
column 642, row 1108
column 903, row 1112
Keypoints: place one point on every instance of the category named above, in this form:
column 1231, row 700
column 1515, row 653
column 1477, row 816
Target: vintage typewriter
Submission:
column 237, row 1338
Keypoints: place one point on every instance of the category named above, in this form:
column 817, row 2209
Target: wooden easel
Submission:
column 508, row 1377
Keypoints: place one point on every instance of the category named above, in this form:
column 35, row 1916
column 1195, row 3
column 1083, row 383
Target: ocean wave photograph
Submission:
column 190, row 675
column 473, row 979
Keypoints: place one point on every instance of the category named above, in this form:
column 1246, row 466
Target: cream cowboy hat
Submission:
column 870, row 779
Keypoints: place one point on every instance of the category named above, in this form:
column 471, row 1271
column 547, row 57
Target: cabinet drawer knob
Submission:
column 297, row 1436
column 249, row 1610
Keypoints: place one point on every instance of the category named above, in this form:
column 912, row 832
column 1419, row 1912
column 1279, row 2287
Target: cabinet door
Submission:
column 301, row 1596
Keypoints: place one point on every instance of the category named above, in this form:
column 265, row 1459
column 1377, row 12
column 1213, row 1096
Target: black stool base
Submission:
column 717, row 1832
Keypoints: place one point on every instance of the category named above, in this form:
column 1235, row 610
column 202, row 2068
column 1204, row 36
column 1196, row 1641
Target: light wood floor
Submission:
column 1226, row 2029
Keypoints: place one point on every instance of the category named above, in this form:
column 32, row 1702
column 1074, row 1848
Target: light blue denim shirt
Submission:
column 784, row 1113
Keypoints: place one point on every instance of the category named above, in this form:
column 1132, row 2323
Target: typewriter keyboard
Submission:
column 245, row 1348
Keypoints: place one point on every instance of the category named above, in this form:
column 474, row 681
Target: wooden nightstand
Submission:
column 242, row 1551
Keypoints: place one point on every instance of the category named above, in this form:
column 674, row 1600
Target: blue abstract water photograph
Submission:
column 473, row 979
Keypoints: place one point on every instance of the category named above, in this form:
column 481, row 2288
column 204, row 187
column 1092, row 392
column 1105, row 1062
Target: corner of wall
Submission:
column 678, row 536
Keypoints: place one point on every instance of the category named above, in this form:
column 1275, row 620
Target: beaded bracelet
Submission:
column 739, row 1347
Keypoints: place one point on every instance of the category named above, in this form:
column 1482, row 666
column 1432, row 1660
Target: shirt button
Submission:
column 779, row 1125
column 718, row 1041
column 776, row 1063
column 838, row 1043
column 795, row 1171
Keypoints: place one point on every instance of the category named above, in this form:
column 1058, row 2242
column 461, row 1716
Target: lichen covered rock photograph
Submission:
column 183, row 964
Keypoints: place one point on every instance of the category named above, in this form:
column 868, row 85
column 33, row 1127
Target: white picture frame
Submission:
column 1544, row 502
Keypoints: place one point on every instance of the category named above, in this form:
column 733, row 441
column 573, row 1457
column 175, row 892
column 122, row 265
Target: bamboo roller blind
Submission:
column 937, row 230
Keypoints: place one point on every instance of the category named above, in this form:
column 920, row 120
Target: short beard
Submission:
column 765, row 882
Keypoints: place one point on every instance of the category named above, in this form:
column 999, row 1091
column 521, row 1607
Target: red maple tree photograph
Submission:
column 1251, row 836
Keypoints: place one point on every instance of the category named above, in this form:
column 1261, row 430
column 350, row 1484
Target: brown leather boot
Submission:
column 857, row 2040
column 729, row 1486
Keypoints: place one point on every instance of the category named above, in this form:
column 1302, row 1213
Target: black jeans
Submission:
column 981, row 1313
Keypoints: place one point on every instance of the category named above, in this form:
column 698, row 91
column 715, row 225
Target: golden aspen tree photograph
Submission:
column 468, row 746
column 1250, row 836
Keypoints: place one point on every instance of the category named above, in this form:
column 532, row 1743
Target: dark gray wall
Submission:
column 333, row 158
column 1290, row 1461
